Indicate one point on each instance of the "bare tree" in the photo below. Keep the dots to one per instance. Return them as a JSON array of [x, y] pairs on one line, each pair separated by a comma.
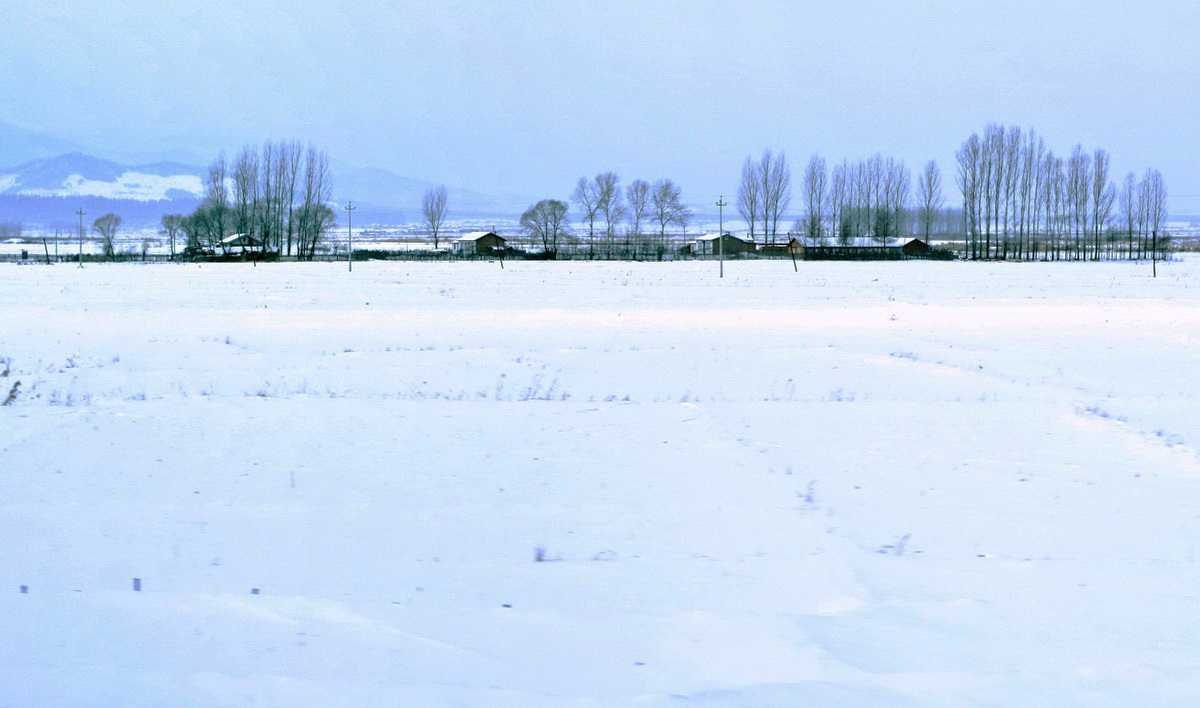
[[106, 226], [433, 208], [545, 222], [277, 186], [608, 190], [315, 216], [839, 209], [1129, 210], [245, 191], [750, 198], [216, 198], [892, 206], [776, 178], [1155, 199], [638, 199], [263, 214], [1103, 196], [815, 196], [172, 226], [967, 177], [587, 197], [1079, 170], [1029, 191], [292, 155], [1059, 205], [667, 200], [929, 195]]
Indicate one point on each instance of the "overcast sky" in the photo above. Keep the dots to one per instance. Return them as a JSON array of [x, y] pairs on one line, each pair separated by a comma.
[[527, 96]]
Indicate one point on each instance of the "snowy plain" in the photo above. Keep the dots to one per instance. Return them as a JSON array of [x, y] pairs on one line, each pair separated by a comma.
[[862, 484]]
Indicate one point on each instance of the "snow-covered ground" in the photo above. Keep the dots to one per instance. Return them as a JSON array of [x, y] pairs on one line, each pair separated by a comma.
[[863, 484]]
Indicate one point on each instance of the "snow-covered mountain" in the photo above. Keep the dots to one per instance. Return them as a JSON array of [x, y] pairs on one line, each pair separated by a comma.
[[79, 175]]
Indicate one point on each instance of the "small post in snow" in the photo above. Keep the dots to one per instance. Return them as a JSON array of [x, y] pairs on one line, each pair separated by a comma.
[[137, 584]]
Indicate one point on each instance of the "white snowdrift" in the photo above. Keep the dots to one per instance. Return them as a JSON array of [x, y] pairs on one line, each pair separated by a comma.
[[863, 484]]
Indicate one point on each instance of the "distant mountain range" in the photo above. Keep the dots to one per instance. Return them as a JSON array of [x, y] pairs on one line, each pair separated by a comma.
[[54, 169], [79, 175], [386, 195]]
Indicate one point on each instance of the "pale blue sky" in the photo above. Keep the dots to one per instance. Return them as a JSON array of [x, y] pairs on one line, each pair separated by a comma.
[[527, 96]]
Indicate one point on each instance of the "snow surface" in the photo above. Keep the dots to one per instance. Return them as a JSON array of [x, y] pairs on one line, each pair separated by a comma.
[[863, 484]]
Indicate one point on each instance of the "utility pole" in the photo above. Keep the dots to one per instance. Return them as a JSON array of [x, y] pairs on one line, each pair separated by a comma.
[[350, 234], [81, 212], [721, 230]]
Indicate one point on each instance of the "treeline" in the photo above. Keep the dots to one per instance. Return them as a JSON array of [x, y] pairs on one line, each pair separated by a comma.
[[634, 220], [764, 194], [867, 199], [1022, 201], [275, 197]]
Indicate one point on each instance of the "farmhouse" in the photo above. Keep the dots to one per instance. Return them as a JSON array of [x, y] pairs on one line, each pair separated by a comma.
[[240, 240], [867, 249], [794, 248], [712, 244], [478, 242]]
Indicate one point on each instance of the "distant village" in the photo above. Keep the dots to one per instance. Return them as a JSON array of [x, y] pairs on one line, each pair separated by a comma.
[[711, 245], [1020, 202]]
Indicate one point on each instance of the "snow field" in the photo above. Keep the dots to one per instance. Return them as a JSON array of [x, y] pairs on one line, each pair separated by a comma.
[[860, 484]]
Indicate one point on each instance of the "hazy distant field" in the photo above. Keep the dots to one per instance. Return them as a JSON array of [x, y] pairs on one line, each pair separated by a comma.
[[877, 484]]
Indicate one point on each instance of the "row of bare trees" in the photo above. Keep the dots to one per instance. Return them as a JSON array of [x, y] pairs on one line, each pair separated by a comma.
[[867, 199], [276, 196], [764, 194], [603, 201], [1021, 201], [854, 200]]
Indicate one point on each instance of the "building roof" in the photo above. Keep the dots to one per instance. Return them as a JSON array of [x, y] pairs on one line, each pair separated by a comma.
[[240, 240], [714, 237], [476, 235]]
